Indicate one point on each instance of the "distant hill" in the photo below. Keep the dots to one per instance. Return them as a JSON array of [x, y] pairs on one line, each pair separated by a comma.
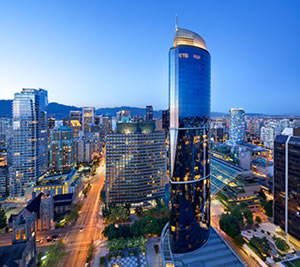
[[59, 111]]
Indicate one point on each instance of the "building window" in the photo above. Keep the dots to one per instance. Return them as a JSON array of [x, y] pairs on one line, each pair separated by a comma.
[[196, 56], [183, 55], [18, 235]]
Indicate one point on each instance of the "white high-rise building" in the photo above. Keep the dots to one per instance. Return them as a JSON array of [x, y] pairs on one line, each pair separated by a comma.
[[29, 151], [237, 125]]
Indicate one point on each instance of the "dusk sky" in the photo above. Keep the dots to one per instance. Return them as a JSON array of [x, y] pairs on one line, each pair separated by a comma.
[[112, 53]]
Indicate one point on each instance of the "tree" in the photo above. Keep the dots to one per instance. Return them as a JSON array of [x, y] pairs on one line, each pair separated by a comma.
[[262, 195], [281, 244], [236, 212], [248, 216], [3, 219], [238, 240], [230, 225], [55, 253], [258, 219], [91, 251], [268, 207]]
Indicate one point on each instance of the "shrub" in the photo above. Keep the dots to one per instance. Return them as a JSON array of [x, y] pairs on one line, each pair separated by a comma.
[[102, 260]]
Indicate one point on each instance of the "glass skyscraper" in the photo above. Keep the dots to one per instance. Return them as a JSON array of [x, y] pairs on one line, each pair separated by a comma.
[[189, 103], [237, 125], [29, 151], [286, 182]]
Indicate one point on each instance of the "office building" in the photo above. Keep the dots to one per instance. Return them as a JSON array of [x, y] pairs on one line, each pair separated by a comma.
[[286, 181], [189, 92], [166, 120], [237, 126], [188, 239], [107, 124], [76, 115], [86, 147], [5, 135], [123, 116], [267, 135], [149, 113], [51, 123], [29, 142], [3, 181], [61, 149], [88, 118], [135, 164]]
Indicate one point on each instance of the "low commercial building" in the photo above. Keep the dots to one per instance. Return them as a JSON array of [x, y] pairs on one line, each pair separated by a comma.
[[56, 185]]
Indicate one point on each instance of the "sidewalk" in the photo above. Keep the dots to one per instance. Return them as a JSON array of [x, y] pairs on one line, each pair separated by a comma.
[[101, 250]]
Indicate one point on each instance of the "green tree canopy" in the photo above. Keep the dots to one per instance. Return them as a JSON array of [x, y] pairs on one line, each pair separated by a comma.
[[3, 219]]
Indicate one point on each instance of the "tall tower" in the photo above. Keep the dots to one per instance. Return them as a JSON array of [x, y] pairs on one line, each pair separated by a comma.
[[189, 103], [29, 151], [61, 149], [149, 113], [88, 118], [237, 125]]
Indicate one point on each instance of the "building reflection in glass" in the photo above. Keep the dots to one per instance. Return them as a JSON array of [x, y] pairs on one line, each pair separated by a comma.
[[189, 103]]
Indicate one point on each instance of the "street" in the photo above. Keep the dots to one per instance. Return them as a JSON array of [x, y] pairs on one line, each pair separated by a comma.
[[77, 241]]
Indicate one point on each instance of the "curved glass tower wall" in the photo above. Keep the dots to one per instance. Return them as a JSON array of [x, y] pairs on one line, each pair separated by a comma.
[[189, 103]]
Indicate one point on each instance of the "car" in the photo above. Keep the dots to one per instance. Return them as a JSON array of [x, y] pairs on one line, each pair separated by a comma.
[[54, 236], [81, 229]]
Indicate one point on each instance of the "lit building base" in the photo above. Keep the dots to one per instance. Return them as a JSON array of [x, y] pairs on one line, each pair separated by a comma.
[[214, 253]]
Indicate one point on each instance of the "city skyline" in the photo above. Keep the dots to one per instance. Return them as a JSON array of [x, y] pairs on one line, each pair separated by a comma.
[[64, 53]]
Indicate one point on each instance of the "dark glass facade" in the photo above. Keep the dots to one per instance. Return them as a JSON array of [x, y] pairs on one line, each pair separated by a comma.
[[286, 188], [189, 103]]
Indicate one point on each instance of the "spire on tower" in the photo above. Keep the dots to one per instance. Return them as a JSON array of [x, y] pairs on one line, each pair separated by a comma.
[[176, 25]]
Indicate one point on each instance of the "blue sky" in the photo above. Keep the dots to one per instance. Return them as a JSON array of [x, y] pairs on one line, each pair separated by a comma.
[[111, 53]]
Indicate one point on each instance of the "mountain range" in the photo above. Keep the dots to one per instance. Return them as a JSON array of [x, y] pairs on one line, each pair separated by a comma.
[[60, 111]]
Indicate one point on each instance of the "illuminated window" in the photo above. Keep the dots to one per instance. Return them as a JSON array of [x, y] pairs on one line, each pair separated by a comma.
[[196, 56], [183, 55], [23, 235], [18, 235]]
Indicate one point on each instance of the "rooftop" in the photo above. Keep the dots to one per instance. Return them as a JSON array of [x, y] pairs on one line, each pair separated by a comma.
[[186, 37], [215, 252]]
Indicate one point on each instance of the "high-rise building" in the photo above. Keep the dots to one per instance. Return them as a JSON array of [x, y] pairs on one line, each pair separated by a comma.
[[75, 115], [3, 181], [61, 149], [123, 116], [107, 124], [29, 150], [149, 113], [135, 164], [166, 120], [267, 136], [286, 182], [88, 118], [51, 123], [189, 100], [237, 125]]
